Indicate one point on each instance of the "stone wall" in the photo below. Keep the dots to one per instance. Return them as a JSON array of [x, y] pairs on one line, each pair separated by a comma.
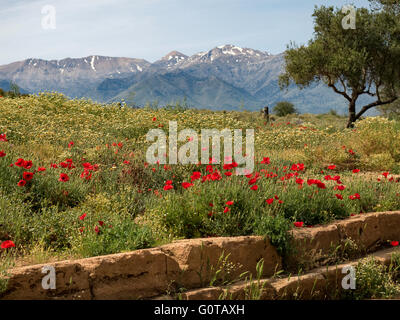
[[191, 264]]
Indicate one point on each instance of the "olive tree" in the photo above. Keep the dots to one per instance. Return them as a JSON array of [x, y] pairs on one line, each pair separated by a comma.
[[353, 62]]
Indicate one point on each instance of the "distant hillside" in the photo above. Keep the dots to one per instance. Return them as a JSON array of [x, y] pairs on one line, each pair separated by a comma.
[[5, 85], [223, 78]]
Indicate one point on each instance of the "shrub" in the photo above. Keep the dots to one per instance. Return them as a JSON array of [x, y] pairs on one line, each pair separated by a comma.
[[114, 235], [373, 280], [284, 108]]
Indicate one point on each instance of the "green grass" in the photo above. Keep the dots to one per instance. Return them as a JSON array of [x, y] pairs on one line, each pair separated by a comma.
[[124, 201]]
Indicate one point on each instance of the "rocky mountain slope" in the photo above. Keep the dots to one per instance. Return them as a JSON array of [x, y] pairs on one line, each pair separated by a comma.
[[225, 77]]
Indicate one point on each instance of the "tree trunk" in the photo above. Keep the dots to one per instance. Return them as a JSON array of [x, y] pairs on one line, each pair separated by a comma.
[[266, 113], [352, 114]]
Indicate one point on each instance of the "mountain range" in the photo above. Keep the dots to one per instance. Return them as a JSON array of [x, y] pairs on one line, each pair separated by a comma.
[[224, 78]]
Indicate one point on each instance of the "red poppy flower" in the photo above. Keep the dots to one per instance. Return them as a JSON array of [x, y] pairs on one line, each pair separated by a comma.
[[101, 223], [3, 137], [154, 119], [321, 185], [253, 181], [20, 162], [226, 210], [195, 176], [228, 173], [310, 181], [299, 181], [298, 224], [64, 165], [27, 176], [70, 144], [2, 154], [229, 203], [255, 187], [187, 185], [339, 196], [21, 183], [168, 187], [332, 167], [63, 177], [7, 244], [215, 176], [87, 166], [41, 169], [82, 217], [266, 160], [96, 229], [354, 196], [270, 201], [297, 167], [394, 243], [356, 170], [227, 166], [27, 164], [86, 174], [385, 174]]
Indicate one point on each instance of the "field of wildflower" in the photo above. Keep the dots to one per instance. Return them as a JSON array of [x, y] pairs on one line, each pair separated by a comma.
[[74, 181]]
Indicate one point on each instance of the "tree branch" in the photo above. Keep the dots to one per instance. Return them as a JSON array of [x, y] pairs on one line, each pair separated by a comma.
[[374, 104], [344, 94]]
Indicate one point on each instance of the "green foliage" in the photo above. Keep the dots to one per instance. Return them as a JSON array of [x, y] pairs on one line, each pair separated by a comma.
[[14, 92], [128, 194], [118, 236], [276, 229], [6, 263], [390, 6], [391, 111], [256, 287], [373, 280], [333, 112], [353, 62], [284, 108]]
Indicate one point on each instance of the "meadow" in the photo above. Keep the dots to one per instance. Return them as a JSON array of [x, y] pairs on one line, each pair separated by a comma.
[[74, 181]]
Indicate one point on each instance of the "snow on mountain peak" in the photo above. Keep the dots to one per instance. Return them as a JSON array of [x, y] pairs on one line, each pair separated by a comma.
[[227, 52], [174, 55]]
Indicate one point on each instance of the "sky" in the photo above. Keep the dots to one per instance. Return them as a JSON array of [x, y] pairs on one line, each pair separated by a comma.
[[149, 29]]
